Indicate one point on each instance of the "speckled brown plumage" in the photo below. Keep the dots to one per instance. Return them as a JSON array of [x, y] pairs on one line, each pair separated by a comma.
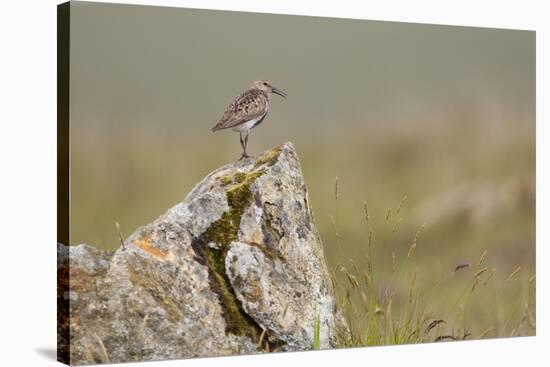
[[250, 105]]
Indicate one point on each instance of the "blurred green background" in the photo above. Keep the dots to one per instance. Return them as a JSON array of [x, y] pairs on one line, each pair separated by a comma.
[[444, 116]]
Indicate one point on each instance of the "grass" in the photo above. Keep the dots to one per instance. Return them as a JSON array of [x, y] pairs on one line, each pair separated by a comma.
[[317, 334], [409, 302]]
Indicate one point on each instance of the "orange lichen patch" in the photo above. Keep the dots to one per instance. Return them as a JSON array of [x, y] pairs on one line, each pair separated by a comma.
[[256, 237], [146, 245]]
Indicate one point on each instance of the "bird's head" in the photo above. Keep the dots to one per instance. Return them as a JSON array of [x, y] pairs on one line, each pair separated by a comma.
[[266, 86]]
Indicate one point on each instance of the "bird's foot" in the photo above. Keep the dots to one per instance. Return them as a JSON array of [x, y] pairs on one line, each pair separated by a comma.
[[245, 156]]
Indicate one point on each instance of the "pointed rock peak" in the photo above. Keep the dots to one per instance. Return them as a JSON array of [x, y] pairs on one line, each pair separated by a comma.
[[235, 268]]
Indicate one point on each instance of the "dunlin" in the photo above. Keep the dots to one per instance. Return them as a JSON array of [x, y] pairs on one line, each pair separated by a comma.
[[248, 111]]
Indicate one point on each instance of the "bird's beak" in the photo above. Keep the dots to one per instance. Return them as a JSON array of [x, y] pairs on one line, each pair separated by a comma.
[[279, 92]]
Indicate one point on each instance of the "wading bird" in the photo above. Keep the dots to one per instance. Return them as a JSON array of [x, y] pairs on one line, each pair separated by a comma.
[[248, 111]]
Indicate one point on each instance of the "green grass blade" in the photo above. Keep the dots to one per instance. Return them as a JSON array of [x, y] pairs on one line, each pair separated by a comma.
[[317, 334]]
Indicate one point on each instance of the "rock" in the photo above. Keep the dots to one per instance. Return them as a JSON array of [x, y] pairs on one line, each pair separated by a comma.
[[236, 268]]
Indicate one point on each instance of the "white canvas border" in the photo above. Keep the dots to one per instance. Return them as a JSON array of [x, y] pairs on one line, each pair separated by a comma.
[[28, 184]]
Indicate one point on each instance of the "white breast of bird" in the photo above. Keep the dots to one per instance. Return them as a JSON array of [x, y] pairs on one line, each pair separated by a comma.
[[247, 126]]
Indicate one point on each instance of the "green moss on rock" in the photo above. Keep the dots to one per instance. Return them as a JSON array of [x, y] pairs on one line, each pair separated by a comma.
[[221, 233], [269, 157], [230, 179]]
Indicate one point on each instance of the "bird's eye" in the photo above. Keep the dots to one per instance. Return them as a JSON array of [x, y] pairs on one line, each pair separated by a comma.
[[265, 83]]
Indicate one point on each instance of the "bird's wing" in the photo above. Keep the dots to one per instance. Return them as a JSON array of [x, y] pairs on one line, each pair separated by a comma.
[[248, 106]]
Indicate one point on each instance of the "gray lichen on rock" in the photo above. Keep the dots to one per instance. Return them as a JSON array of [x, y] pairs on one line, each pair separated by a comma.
[[236, 268]]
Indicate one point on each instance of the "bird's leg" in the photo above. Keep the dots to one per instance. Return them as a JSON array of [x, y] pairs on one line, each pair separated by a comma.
[[243, 145], [241, 139]]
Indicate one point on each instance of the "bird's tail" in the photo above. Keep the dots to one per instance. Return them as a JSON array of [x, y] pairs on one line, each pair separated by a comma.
[[216, 127]]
